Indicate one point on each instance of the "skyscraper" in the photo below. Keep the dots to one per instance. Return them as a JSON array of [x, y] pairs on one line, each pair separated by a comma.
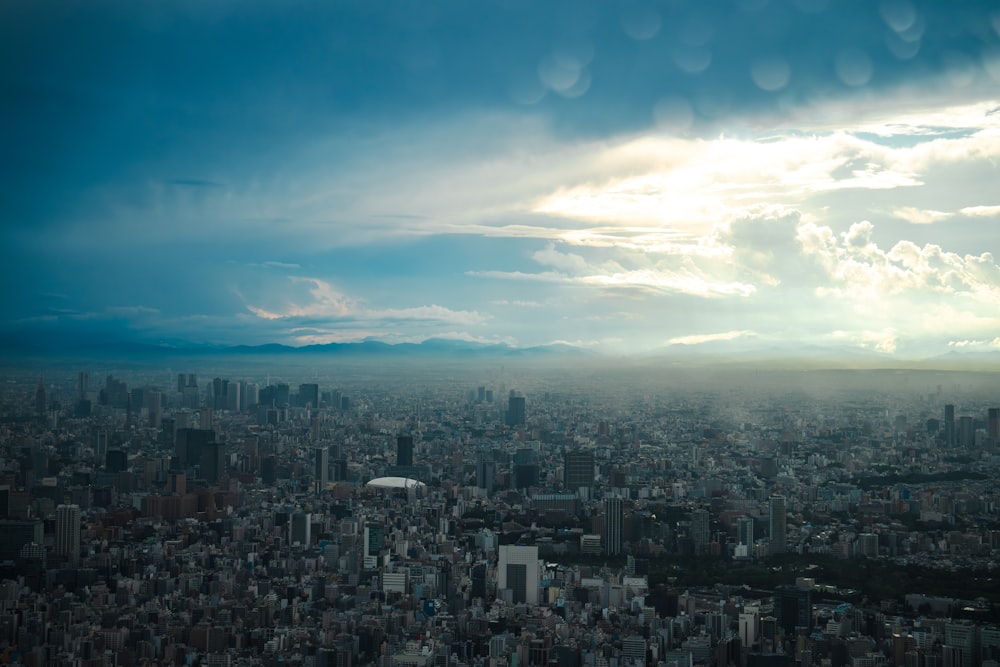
[[68, 532], [614, 518], [404, 450], [993, 426], [700, 530], [154, 408], [777, 519], [578, 469], [516, 411], [793, 608], [486, 471], [41, 405], [949, 425], [518, 572], [309, 396], [321, 474]]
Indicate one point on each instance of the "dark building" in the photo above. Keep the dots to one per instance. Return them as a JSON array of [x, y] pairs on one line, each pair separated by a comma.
[[321, 472], [269, 470], [516, 411], [189, 444], [614, 520], [213, 461], [793, 609], [486, 472], [578, 469], [993, 426], [404, 450], [949, 425], [526, 475], [41, 405], [309, 396]]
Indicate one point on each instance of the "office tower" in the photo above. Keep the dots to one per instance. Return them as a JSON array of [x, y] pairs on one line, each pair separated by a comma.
[[486, 472], [777, 519], [189, 443], [374, 539], [966, 432], [282, 395], [220, 394], [700, 530], [321, 472], [181, 382], [82, 385], [526, 475], [205, 418], [41, 405], [154, 408], [101, 445], [614, 518], [744, 537], [993, 426], [309, 396], [518, 572], [233, 398], [213, 462], [578, 469], [404, 450], [68, 532], [516, 412], [300, 528], [249, 395], [793, 609], [269, 470], [481, 396], [949, 425]]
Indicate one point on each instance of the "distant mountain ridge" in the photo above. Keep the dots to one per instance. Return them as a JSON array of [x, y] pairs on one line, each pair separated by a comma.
[[431, 347]]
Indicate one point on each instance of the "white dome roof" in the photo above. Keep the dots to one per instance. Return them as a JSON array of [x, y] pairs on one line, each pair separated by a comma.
[[394, 483]]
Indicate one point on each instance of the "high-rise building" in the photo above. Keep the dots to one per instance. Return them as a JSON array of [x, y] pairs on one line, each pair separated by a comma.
[[213, 462], [614, 519], [518, 572], [374, 539], [949, 425], [300, 528], [578, 469], [793, 609], [309, 396], [189, 443], [321, 472], [486, 472], [154, 408], [82, 385], [777, 520], [744, 537], [41, 404], [993, 426], [966, 432], [404, 450], [68, 532], [700, 530], [516, 411]]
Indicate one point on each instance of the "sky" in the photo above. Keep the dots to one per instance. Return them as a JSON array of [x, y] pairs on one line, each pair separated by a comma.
[[621, 176]]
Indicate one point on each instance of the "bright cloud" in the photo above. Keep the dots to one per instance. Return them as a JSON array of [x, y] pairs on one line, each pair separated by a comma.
[[698, 339]]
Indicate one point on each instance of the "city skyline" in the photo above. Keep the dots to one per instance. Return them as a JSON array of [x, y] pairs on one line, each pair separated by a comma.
[[808, 177]]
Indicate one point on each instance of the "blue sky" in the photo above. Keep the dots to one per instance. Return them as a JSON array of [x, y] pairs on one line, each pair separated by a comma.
[[625, 176]]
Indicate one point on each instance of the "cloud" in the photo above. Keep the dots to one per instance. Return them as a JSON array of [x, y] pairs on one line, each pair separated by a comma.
[[698, 339], [920, 216], [884, 341], [313, 310], [981, 211]]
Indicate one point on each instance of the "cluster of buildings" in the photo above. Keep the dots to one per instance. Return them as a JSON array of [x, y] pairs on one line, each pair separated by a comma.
[[414, 523]]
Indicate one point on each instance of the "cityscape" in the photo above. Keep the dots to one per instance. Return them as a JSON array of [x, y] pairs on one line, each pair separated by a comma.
[[500, 333], [506, 513]]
